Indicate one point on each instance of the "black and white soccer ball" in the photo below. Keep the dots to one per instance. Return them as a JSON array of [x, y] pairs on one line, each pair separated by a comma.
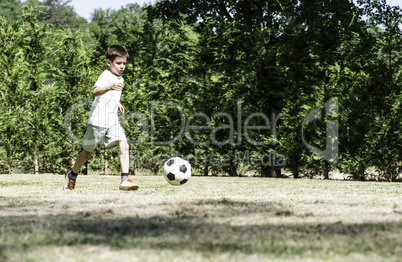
[[177, 171]]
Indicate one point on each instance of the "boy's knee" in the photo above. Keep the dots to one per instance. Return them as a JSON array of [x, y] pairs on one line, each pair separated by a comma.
[[123, 145]]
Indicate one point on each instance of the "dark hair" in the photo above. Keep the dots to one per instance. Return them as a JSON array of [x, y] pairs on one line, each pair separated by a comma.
[[114, 51]]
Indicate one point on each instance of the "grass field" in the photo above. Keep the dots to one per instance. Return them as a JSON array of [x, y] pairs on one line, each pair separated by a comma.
[[207, 219]]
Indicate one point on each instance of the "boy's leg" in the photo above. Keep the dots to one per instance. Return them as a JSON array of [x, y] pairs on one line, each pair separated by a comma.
[[126, 184], [71, 176], [124, 156], [81, 159]]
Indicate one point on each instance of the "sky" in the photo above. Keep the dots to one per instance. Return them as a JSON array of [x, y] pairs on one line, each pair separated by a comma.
[[84, 8]]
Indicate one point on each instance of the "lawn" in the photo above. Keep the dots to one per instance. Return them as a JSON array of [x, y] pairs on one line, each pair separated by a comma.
[[207, 219]]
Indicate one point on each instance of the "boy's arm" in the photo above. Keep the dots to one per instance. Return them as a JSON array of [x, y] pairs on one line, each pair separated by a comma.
[[98, 91], [120, 109]]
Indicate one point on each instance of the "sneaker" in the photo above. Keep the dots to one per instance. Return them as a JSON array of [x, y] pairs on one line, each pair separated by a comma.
[[128, 185], [68, 183]]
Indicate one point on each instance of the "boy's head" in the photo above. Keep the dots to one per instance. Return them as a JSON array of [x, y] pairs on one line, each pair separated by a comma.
[[116, 58], [116, 51]]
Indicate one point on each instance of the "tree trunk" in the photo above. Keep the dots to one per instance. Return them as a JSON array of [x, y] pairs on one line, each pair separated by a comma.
[[295, 172], [36, 164], [326, 170], [9, 151], [206, 166], [106, 161], [267, 171], [271, 171], [278, 171], [106, 166], [232, 168]]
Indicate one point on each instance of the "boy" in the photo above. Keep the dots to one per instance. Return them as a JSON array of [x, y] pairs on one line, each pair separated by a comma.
[[103, 122]]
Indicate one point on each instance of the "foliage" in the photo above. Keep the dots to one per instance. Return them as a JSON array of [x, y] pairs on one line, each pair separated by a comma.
[[227, 85]]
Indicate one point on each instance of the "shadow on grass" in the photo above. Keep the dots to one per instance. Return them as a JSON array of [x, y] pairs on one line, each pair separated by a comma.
[[201, 226]]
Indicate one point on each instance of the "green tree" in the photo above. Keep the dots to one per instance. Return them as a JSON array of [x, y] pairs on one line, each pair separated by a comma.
[[383, 84], [10, 9], [12, 83], [58, 13], [237, 62]]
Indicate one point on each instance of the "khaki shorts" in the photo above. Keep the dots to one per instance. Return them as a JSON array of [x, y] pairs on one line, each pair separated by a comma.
[[95, 136]]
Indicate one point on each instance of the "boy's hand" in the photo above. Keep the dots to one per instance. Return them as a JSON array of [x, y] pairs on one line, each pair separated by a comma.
[[120, 109], [117, 86]]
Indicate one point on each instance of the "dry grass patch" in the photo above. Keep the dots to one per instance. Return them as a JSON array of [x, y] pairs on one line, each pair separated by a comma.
[[208, 219]]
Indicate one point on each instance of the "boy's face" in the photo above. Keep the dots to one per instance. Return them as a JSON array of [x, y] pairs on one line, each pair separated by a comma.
[[118, 65]]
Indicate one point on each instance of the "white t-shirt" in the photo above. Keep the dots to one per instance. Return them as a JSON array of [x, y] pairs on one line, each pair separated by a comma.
[[104, 107]]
